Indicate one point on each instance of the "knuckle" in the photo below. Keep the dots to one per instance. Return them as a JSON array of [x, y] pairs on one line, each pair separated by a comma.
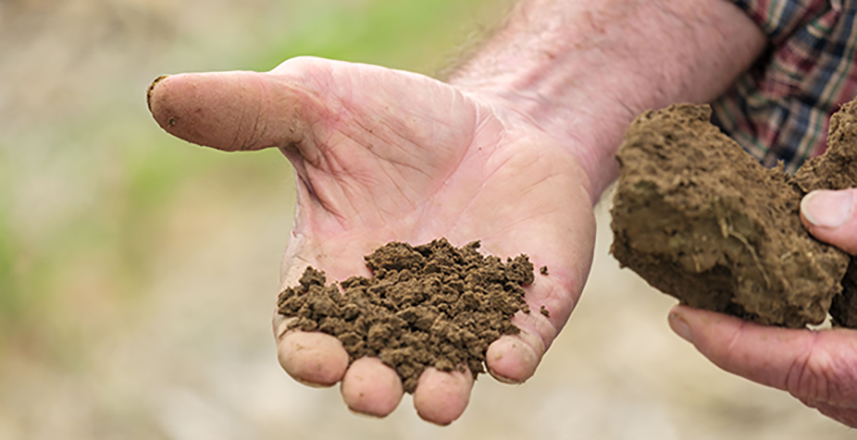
[[824, 376]]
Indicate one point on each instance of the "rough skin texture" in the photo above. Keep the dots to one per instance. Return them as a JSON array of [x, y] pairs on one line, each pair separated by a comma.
[[701, 220]]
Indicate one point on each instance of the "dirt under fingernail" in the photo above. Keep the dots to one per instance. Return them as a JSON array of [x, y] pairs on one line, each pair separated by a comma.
[[433, 305], [151, 89], [699, 218]]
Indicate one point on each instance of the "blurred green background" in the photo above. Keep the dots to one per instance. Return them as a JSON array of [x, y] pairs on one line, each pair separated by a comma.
[[88, 183], [138, 272]]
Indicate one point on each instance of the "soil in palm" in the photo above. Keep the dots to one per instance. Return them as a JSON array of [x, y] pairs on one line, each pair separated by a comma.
[[433, 305]]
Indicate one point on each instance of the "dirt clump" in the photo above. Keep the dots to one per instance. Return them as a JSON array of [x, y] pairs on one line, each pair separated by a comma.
[[701, 220], [837, 169], [433, 305]]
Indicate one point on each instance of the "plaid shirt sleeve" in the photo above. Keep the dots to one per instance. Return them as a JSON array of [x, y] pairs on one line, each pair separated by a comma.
[[779, 110]]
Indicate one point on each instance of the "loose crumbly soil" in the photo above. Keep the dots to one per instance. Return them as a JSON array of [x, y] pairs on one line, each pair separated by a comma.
[[430, 305], [701, 220]]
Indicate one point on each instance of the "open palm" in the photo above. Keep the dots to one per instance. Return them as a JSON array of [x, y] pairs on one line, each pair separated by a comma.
[[383, 155]]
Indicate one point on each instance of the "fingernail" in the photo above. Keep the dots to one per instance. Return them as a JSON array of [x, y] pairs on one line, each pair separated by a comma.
[[364, 414], [152, 88], [680, 327], [503, 379], [827, 209]]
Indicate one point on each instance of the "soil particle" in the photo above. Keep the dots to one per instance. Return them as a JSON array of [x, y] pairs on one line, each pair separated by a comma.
[[701, 220], [430, 305], [545, 311], [544, 270]]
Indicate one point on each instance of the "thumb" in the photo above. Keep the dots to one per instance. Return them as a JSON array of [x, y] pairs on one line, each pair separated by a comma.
[[831, 216], [229, 111]]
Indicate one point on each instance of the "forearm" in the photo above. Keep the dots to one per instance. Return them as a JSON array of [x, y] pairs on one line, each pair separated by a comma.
[[582, 70]]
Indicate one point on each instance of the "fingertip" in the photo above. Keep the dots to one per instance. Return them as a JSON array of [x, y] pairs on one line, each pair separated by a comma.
[[699, 317], [441, 397], [827, 208], [150, 89], [511, 360], [312, 358], [167, 98], [679, 325], [371, 388], [681, 312], [827, 213]]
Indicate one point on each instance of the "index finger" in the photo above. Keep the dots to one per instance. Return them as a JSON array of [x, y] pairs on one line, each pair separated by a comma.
[[815, 366]]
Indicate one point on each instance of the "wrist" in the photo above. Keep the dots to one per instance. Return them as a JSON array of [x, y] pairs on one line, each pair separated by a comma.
[[581, 71]]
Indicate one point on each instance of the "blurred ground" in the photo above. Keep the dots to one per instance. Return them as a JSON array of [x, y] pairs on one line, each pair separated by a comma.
[[137, 273]]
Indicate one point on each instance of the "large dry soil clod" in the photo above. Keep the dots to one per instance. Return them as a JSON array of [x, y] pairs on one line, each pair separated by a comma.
[[701, 220]]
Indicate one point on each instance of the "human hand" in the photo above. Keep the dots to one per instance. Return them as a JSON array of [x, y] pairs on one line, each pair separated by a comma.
[[817, 367], [382, 155]]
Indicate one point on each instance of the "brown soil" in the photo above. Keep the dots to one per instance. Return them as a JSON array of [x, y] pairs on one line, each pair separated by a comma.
[[701, 220], [837, 169], [430, 305]]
